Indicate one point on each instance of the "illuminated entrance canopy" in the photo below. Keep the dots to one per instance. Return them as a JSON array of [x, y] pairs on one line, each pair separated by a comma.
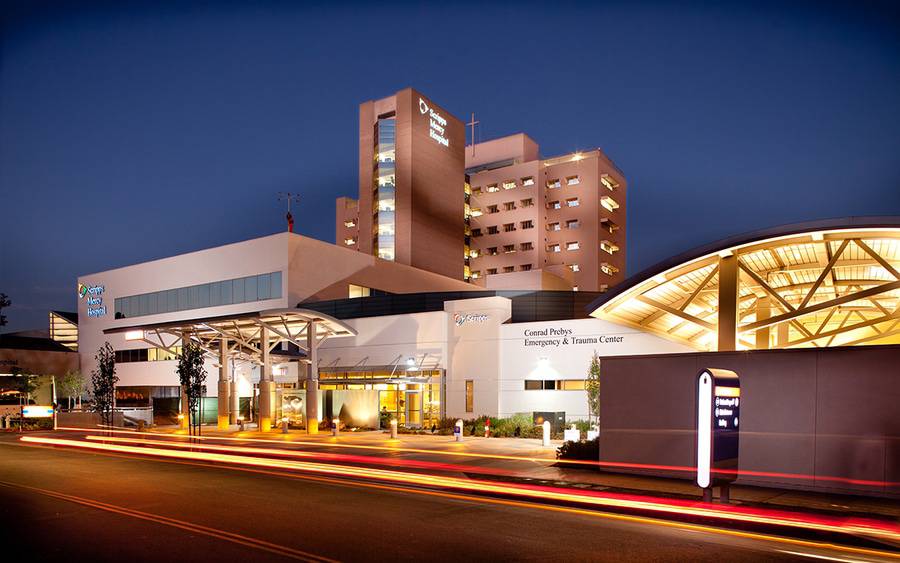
[[828, 283]]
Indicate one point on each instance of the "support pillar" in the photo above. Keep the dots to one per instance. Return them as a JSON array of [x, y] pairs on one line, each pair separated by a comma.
[[185, 406], [312, 381], [763, 311], [266, 385], [235, 409], [224, 398], [728, 303]]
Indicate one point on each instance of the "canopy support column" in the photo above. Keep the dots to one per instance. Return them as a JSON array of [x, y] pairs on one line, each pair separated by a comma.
[[266, 384], [185, 404], [312, 380], [224, 398], [728, 303]]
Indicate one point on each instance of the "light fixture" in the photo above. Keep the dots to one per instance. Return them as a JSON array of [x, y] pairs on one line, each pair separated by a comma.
[[134, 335], [411, 364]]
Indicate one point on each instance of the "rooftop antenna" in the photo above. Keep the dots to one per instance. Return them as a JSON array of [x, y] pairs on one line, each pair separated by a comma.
[[289, 197]]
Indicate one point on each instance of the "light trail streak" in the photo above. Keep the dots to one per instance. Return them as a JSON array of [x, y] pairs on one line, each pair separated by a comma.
[[571, 462], [538, 493]]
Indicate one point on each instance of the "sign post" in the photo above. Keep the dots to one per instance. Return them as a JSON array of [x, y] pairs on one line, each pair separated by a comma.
[[718, 411]]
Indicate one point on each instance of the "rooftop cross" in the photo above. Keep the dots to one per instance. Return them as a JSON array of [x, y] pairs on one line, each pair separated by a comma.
[[472, 124]]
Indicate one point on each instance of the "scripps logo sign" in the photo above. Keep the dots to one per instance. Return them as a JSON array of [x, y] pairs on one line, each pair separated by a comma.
[[93, 293], [460, 319], [437, 125]]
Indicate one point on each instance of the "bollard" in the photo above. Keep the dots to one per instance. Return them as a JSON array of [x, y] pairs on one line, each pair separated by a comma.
[[487, 428], [458, 430], [240, 421], [335, 427], [393, 429], [546, 440]]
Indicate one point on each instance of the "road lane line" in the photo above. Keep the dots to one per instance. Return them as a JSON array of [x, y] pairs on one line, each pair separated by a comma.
[[181, 524]]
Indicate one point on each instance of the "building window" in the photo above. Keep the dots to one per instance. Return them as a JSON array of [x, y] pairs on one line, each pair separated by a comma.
[[470, 395], [609, 203], [572, 181], [553, 226], [473, 253], [476, 274], [608, 225], [492, 189], [493, 209], [491, 271], [527, 202], [509, 227], [525, 267], [509, 184], [350, 241], [509, 269], [475, 212], [553, 248], [528, 181], [493, 230], [384, 189], [553, 184], [526, 246], [509, 205], [476, 190], [358, 291], [573, 224], [608, 269], [529, 224], [575, 267], [554, 205], [572, 245], [575, 288], [607, 246], [572, 202], [509, 248], [571, 384], [147, 355], [609, 182], [350, 223], [492, 251], [476, 232], [533, 384]]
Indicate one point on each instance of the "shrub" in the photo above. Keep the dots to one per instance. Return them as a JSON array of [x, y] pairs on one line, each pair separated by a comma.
[[587, 450]]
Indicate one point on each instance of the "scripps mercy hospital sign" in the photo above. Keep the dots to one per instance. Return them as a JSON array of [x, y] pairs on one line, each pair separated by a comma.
[[562, 337], [437, 124], [93, 294]]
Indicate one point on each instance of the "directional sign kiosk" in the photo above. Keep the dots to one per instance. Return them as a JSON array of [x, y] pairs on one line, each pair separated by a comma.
[[718, 413]]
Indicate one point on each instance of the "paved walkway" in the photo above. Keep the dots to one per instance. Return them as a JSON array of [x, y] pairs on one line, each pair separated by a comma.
[[505, 454]]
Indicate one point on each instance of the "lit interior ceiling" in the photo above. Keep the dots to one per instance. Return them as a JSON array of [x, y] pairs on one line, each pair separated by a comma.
[[829, 287]]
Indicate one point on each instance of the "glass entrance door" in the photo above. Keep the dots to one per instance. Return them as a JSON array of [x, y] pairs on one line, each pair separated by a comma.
[[413, 408]]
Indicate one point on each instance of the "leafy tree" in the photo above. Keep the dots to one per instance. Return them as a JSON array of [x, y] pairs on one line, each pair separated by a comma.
[[104, 380], [592, 386], [192, 376], [4, 302], [73, 385]]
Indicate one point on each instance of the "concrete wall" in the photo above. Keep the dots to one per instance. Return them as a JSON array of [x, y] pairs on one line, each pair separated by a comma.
[[829, 414]]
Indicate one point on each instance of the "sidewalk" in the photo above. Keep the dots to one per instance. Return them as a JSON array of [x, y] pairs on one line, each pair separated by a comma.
[[541, 468]]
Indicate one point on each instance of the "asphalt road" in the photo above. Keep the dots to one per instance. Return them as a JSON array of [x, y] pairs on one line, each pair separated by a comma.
[[83, 506]]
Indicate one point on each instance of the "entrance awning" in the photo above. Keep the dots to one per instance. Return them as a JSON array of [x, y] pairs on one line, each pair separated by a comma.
[[241, 332]]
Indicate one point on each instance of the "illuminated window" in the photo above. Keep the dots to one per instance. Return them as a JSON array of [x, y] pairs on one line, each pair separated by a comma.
[[476, 232], [575, 267], [608, 225], [529, 224], [571, 385], [527, 202], [509, 248], [475, 212], [534, 385], [573, 224], [572, 245], [553, 248], [470, 395], [491, 271], [525, 267], [572, 202], [526, 246], [350, 241], [384, 189], [572, 181], [509, 184], [509, 269], [493, 209], [529, 181], [476, 190], [554, 205], [575, 288], [492, 188], [609, 182], [473, 253], [553, 226], [607, 246], [350, 223], [356, 291], [509, 205], [608, 269], [493, 230], [509, 227], [609, 203], [492, 251], [553, 184], [476, 274]]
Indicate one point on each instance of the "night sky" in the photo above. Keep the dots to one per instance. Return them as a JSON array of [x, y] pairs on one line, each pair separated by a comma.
[[139, 132]]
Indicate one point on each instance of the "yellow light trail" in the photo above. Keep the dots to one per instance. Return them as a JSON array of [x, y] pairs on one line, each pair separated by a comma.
[[477, 486]]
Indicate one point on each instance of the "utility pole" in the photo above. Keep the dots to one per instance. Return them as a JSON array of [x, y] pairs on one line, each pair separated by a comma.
[[289, 197]]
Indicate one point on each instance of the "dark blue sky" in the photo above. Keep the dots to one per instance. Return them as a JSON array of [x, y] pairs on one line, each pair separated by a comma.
[[133, 133]]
